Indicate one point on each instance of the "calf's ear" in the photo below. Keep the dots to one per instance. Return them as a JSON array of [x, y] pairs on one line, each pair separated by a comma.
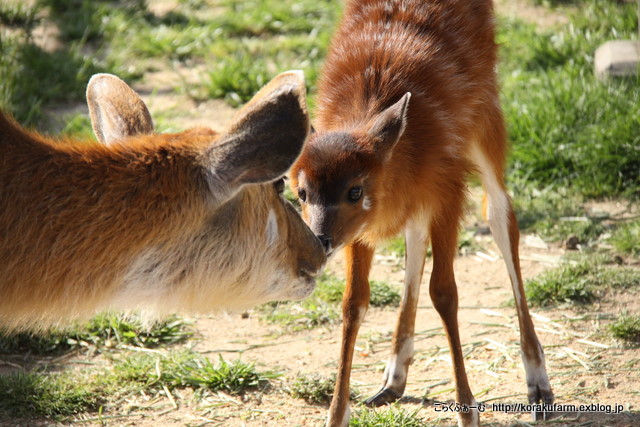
[[388, 126], [116, 110]]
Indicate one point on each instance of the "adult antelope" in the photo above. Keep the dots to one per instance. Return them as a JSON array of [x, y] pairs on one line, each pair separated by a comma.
[[408, 107], [184, 222]]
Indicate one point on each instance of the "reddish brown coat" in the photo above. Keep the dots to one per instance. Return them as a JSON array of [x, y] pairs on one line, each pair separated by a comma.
[[408, 107]]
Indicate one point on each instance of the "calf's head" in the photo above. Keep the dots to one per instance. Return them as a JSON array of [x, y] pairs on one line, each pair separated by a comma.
[[337, 177]]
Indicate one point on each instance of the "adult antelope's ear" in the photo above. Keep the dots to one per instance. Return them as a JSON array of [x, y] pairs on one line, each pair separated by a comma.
[[266, 136], [387, 127], [116, 110]]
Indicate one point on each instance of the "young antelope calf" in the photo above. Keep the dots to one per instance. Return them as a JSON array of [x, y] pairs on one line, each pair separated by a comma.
[[408, 107], [185, 222]]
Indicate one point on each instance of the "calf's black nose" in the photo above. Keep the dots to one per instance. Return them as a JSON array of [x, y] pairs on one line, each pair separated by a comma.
[[326, 243]]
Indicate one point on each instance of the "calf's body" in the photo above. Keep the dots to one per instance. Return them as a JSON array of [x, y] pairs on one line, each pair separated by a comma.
[[408, 107]]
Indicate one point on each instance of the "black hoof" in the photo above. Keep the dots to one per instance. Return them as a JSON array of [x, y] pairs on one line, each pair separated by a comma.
[[383, 397], [541, 415], [544, 397]]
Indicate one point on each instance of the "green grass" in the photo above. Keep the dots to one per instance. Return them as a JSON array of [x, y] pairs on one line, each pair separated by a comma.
[[78, 126], [113, 330], [176, 36], [391, 416], [626, 328], [383, 294], [466, 243], [182, 369], [544, 212], [85, 19], [31, 77], [323, 306], [307, 314], [580, 283], [257, 18], [103, 331], [626, 238], [38, 344], [242, 46], [554, 3], [18, 15], [316, 389], [27, 395], [567, 128], [395, 246], [566, 284], [317, 310], [62, 394], [234, 378], [331, 288], [555, 213], [265, 37], [242, 67]]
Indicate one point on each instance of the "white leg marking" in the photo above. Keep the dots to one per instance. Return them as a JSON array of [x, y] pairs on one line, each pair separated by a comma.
[[416, 240], [395, 372], [272, 228], [344, 420], [474, 421], [362, 311], [536, 375], [497, 211]]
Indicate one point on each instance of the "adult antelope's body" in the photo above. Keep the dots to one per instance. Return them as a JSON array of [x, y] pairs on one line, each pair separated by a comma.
[[408, 107], [162, 223]]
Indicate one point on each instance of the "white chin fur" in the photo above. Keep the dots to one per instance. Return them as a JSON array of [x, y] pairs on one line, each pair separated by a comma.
[[302, 289]]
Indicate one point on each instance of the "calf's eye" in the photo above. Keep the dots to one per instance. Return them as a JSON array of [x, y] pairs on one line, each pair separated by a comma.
[[302, 195], [355, 193]]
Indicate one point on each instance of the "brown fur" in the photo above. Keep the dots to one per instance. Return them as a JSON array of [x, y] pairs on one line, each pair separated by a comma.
[[152, 222], [411, 155], [445, 60]]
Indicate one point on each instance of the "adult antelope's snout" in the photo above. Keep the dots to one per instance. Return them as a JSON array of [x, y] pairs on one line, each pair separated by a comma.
[[311, 257]]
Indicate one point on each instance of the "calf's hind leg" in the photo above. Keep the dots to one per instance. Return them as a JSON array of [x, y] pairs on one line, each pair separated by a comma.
[[504, 227]]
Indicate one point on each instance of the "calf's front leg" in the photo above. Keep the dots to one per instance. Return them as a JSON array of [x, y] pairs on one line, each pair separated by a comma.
[[354, 306]]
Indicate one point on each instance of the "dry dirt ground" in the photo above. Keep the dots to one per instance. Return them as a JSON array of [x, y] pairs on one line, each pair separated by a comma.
[[585, 365]]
